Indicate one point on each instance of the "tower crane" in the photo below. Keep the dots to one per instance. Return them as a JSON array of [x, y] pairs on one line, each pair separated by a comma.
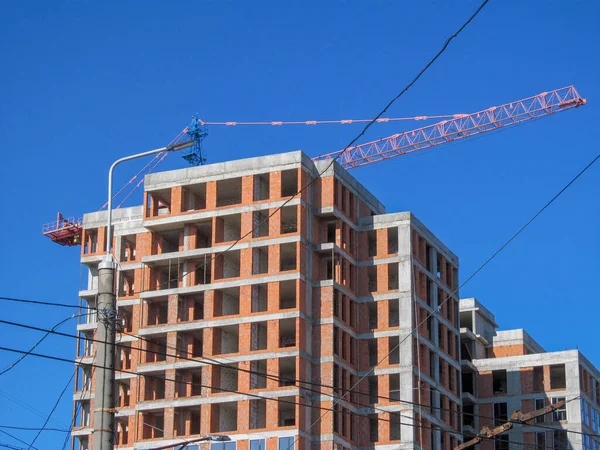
[[460, 126]]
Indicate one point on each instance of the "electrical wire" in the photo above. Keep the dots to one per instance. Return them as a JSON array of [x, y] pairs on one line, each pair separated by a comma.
[[37, 302], [60, 396], [55, 358], [11, 366], [28, 407], [17, 439], [10, 427], [442, 50], [213, 362], [77, 408]]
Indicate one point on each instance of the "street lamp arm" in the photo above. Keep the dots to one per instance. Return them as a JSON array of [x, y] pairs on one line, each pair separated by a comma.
[[169, 148]]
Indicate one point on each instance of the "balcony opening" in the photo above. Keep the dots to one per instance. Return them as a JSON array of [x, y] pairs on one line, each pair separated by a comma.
[[499, 382], [393, 344], [287, 333], [122, 436], [260, 260], [168, 241], [468, 383], [225, 379], [394, 387], [203, 271], [466, 320], [126, 284], [330, 232], [258, 337], [258, 414], [372, 310], [287, 371], [287, 256], [128, 252], [228, 228], [204, 234], [372, 349], [193, 197], [289, 182], [187, 421], [395, 427], [392, 276], [81, 443], [371, 243], [286, 411], [259, 298], [156, 350], [82, 419], [326, 266], [373, 390], [260, 224], [224, 417], [188, 383], [372, 278], [257, 379], [123, 394], [468, 415], [394, 313], [392, 235], [124, 361], [228, 265], [500, 413], [154, 388], [153, 424], [84, 379], [558, 378], [190, 307], [289, 219], [261, 187], [86, 343], [124, 318], [189, 344], [538, 379], [157, 311], [226, 302], [287, 294], [229, 192], [225, 339], [373, 428]]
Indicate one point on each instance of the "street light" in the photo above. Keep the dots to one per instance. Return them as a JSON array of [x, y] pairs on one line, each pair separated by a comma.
[[184, 444], [104, 413]]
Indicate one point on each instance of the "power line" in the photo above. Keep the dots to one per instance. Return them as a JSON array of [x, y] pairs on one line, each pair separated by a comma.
[[487, 261], [27, 407], [11, 427], [51, 411], [21, 358], [209, 361], [16, 438], [37, 302], [442, 50]]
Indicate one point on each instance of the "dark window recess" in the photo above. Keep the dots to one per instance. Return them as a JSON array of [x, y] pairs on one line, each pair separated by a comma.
[[500, 382], [557, 377], [500, 413]]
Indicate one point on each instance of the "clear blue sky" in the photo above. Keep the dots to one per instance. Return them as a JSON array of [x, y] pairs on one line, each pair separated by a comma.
[[84, 83]]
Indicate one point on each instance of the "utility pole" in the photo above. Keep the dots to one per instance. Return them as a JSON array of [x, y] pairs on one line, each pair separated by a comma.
[[104, 411], [516, 417]]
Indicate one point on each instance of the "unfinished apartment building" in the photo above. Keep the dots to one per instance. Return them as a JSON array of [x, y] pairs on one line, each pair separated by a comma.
[[505, 371], [248, 311]]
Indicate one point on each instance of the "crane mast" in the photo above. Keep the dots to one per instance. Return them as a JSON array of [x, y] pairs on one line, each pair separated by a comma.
[[461, 127]]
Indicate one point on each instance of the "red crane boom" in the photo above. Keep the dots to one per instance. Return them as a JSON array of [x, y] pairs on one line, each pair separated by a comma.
[[462, 126]]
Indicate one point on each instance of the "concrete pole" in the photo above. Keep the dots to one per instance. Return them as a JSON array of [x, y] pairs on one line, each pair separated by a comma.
[[105, 390], [104, 414]]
